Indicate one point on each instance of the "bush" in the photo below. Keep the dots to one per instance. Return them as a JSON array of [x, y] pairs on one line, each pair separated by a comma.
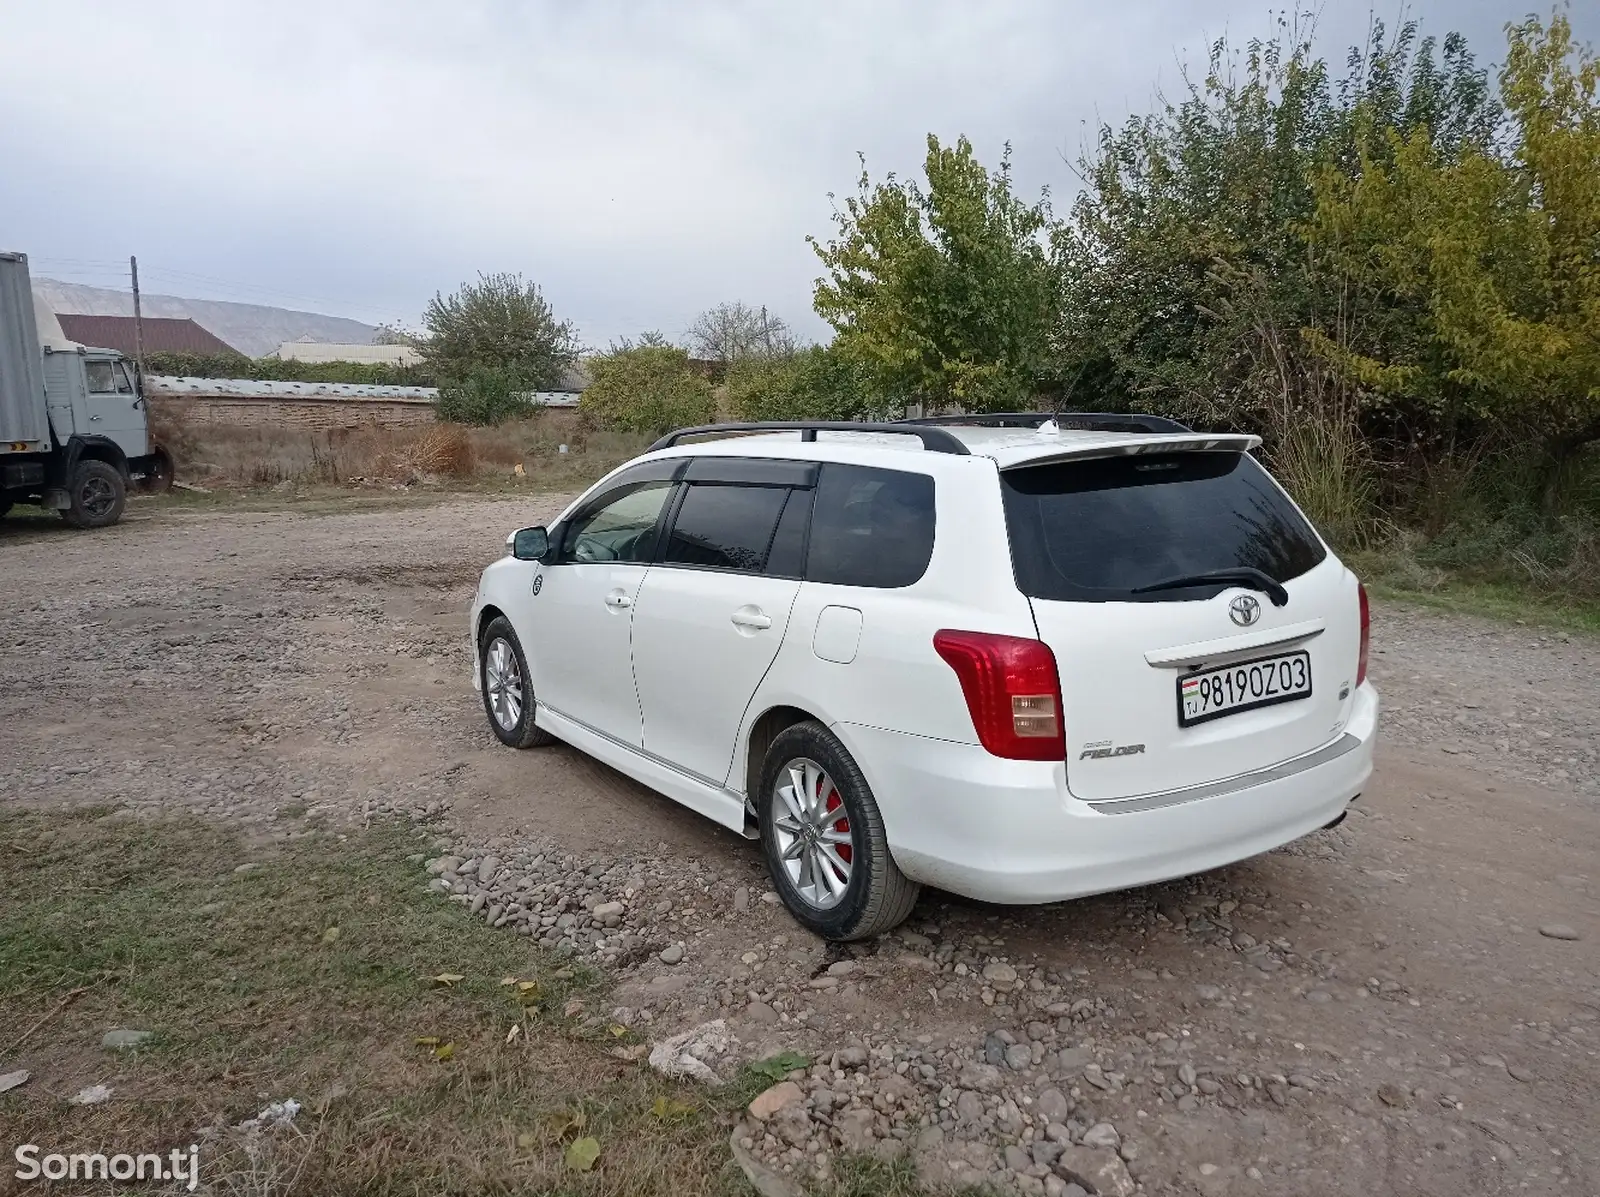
[[648, 389], [485, 396], [443, 450], [814, 384]]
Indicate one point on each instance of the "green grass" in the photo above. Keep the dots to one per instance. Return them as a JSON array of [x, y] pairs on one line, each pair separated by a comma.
[[310, 974], [1513, 602]]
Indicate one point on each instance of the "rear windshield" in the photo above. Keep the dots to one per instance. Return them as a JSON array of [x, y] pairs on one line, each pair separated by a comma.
[[1098, 530]]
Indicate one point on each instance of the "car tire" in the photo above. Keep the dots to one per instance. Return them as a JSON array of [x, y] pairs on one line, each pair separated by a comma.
[[97, 495], [503, 682], [855, 893]]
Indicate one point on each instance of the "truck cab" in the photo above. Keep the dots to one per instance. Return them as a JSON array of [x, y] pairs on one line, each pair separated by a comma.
[[74, 428], [91, 394]]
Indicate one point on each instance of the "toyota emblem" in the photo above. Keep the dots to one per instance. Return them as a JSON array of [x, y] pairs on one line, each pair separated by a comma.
[[1244, 610]]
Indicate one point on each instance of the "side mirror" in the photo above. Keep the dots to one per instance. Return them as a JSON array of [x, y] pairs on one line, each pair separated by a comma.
[[530, 544]]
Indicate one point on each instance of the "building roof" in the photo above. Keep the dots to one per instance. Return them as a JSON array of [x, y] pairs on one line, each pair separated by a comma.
[[252, 388], [320, 351], [162, 334]]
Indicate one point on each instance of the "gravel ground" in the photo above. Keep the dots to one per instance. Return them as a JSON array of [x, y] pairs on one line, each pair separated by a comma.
[[1407, 1004]]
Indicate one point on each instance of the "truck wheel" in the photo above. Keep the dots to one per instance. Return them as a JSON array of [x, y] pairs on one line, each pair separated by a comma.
[[98, 494]]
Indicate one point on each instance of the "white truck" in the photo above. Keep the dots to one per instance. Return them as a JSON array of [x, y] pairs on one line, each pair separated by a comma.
[[74, 428]]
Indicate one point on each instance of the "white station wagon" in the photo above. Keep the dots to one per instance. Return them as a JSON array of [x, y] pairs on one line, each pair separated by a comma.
[[1018, 657]]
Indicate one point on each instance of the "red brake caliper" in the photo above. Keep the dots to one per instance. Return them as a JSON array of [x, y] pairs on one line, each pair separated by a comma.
[[833, 804]]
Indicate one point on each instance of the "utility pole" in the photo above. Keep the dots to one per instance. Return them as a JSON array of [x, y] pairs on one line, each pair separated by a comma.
[[138, 324]]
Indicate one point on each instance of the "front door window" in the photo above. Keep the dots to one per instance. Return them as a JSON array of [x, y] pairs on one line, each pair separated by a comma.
[[622, 529]]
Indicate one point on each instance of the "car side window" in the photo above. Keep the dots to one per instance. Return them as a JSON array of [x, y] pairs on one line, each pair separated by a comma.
[[621, 528], [870, 527], [787, 556], [124, 384], [725, 527]]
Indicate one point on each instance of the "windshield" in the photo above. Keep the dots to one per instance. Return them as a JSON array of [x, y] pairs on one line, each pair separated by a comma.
[[1099, 530]]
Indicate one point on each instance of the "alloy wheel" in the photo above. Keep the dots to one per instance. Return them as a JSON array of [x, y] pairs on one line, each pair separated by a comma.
[[812, 829], [502, 678]]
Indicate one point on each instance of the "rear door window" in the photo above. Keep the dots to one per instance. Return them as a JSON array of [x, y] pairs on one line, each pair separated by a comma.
[[870, 527], [787, 557], [725, 527], [1099, 530]]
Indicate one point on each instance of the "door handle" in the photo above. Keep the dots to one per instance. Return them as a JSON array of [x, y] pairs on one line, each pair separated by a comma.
[[94, 417], [617, 600], [753, 618]]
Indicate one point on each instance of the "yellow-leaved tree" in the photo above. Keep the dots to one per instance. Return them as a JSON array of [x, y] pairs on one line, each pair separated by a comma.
[[1495, 250]]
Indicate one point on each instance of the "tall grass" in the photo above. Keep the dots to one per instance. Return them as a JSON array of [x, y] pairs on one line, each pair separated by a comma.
[[1326, 467]]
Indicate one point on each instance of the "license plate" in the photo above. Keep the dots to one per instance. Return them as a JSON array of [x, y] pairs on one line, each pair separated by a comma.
[[1213, 693]]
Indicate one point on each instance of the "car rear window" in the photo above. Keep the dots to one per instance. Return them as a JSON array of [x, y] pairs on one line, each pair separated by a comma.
[[1098, 530], [870, 527]]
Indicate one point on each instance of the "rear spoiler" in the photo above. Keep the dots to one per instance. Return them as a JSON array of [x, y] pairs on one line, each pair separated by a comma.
[[1209, 442]]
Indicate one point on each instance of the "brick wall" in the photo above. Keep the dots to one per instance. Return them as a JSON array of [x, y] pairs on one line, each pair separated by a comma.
[[283, 412]]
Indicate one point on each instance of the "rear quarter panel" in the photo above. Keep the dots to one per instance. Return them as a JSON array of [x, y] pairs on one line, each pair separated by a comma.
[[896, 681]]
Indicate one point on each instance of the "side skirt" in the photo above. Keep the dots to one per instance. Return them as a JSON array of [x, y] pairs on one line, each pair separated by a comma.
[[713, 801]]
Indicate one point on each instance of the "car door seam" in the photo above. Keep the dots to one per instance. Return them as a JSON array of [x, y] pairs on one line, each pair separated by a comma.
[[740, 735]]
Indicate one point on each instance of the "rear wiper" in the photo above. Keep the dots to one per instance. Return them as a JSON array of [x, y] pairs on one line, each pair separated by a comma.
[[1240, 575]]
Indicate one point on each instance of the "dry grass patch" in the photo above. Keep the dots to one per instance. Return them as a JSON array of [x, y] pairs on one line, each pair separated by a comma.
[[520, 455], [307, 976]]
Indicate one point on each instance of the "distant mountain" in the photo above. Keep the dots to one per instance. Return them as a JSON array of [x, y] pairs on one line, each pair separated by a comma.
[[250, 328]]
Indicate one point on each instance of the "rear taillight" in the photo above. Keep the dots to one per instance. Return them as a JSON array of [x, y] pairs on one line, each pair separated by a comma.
[[1366, 634], [1012, 690]]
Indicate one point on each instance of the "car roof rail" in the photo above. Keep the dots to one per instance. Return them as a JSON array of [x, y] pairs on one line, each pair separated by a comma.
[[934, 439], [1074, 421]]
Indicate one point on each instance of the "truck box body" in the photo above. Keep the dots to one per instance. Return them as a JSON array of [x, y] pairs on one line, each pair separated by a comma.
[[24, 420]]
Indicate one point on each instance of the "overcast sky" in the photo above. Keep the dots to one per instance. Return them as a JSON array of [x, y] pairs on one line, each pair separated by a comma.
[[641, 161]]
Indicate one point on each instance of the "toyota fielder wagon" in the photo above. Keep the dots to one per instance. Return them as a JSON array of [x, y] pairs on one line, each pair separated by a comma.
[[1022, 658]]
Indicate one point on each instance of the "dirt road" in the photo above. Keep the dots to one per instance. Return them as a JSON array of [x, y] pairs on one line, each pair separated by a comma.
[[1391, 1007]]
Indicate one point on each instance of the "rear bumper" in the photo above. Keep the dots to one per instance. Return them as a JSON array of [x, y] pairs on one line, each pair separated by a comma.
[[1009, 831]]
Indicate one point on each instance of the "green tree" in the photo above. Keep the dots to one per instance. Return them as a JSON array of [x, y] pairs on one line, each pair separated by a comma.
[[650, 388], [943, 291], [1497, 251], [1187, 277], [498, 324], [816, 383]]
